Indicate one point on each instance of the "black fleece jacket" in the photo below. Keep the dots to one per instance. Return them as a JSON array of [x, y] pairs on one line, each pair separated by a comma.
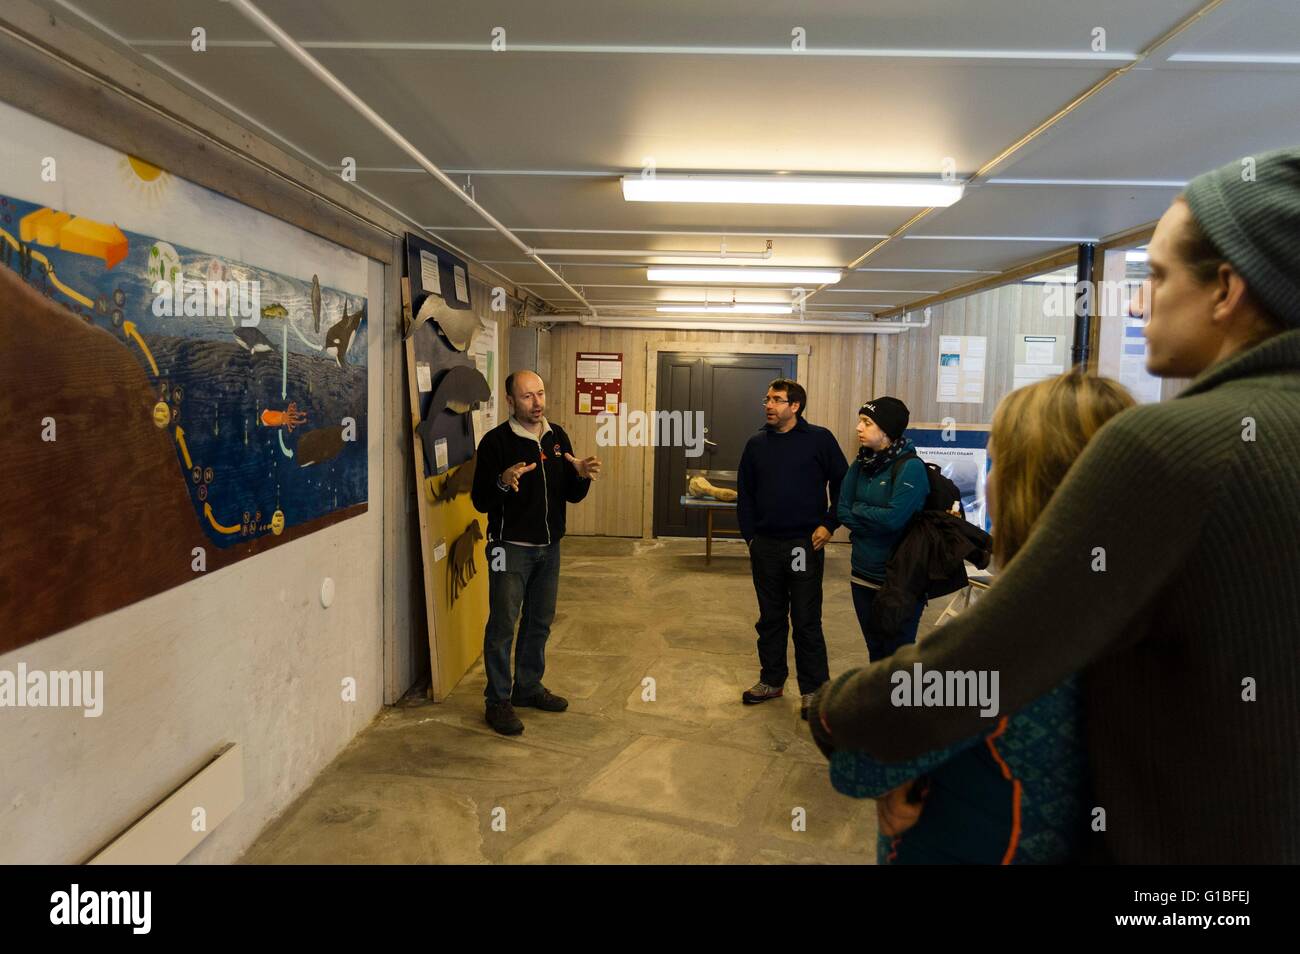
[[783, 478], [534, 514]]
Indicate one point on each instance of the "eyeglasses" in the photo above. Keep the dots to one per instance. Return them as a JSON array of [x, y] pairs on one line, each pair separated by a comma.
[[772, 400]]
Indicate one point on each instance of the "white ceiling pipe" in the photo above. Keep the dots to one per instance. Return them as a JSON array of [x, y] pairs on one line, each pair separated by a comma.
[[294, 49], [720, 324], [651, 252]]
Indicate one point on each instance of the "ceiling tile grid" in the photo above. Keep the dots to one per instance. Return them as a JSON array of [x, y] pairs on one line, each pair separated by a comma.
[[541, 131]]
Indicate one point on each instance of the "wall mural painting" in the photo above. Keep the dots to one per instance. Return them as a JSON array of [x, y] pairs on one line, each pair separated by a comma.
[[254, 384]]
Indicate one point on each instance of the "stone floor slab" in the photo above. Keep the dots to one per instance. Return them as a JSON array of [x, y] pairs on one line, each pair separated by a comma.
[[347, 819], [707, 783], [692, 777], [584, 836]]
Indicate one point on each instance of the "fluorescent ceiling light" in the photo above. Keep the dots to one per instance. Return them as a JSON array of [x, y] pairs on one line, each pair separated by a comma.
[[791, 190], [740, 308], [746, 274]]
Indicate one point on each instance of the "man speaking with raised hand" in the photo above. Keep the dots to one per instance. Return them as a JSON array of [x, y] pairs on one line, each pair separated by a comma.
[[525, 476]]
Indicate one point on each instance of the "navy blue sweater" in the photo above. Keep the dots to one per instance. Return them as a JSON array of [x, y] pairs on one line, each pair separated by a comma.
[[783, 479]]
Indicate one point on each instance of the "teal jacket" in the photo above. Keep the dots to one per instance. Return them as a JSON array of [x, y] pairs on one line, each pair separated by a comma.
[[876, 508]]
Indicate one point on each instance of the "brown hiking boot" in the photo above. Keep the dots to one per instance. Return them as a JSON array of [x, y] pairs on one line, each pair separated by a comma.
[[761, 692]]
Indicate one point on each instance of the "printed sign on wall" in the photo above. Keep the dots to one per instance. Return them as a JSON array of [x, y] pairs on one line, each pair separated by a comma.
[[599, 382], [962, 455], [1038, 357], [961, 369]]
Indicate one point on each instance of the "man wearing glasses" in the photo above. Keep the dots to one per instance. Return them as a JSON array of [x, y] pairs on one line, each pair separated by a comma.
[[788, 482]]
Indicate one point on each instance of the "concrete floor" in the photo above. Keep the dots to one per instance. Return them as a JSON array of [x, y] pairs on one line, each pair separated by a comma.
[[691, 777]]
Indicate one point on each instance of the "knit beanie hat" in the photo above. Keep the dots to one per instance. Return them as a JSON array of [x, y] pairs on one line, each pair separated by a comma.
[[889, 413], [1250, 210]]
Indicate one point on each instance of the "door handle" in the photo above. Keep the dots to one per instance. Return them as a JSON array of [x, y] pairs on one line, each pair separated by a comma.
[[710, 444]]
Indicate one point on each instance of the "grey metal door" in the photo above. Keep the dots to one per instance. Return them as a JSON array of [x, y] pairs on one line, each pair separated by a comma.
[[727, 391]]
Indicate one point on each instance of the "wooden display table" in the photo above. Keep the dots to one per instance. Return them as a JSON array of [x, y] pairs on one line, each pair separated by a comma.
[[709, 506]]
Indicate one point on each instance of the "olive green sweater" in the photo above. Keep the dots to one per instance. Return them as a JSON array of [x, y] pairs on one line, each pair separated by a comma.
[[1195, 506]]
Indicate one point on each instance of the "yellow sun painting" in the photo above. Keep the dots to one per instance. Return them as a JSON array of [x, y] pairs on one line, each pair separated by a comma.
[[145, 180]]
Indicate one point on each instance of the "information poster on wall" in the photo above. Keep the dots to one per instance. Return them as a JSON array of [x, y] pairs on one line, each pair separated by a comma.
[[962, 455], [599, 383], [1133, 374], [484, 353], [961, 369], [1038, 357]]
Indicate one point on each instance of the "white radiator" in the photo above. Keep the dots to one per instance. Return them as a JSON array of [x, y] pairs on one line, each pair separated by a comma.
[[175, 826]]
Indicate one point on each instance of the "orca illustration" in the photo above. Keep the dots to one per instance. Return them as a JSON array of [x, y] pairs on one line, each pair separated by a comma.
[[339, 336], [253, 340]]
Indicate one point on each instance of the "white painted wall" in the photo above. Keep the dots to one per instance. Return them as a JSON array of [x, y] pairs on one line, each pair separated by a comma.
[[245, 654]]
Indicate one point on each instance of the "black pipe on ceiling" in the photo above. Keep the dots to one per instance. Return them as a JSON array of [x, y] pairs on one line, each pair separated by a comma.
[[1083, 288]]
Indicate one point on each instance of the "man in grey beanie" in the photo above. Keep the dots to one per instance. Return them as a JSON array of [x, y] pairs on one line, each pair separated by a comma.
[[1166, 568]]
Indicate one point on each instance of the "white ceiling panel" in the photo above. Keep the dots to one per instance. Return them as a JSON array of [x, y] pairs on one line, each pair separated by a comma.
[[611, 112], [995, 256], [587, 90], [1169, 124], [1065, 212], [914, 284], [270, 86], [905, 24], [1247, 28], [590, 203]]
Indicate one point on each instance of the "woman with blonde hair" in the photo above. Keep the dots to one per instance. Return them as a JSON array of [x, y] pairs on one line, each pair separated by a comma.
[[1015, 794]]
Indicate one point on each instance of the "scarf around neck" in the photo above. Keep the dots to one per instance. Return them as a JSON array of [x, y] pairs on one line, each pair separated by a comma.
[[873, 462]]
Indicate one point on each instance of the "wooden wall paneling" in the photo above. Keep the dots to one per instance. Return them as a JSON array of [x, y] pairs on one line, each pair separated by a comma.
[[609, 507], [841, 371], [621, 502], [999, 314]]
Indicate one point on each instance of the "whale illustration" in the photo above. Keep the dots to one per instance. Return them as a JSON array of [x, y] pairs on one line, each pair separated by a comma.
[[338, 338], [253, 340]]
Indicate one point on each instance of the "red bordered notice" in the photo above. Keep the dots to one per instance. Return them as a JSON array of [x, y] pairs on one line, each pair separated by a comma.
[[599, 384]]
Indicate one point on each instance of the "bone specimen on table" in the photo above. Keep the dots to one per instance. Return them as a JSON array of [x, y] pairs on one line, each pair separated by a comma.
[[700, 487]]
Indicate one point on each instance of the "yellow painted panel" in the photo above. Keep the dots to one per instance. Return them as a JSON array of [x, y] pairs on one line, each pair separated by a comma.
[[458, 628]]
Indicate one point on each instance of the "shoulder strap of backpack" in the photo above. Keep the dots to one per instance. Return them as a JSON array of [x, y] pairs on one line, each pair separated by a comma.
[[893, 471]]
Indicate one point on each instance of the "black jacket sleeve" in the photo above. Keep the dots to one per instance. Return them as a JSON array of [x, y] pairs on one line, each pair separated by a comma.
[[485, 492], [836, 468], [746, 487], [575, 487]]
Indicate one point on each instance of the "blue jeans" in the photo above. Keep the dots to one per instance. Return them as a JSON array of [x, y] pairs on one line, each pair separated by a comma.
[[878, 645], [522, 591]]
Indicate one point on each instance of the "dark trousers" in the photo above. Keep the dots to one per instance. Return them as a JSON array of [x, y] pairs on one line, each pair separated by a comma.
[[522, 591], [878, 645], [788, 582]]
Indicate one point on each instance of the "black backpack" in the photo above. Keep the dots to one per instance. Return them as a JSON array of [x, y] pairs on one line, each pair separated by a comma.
[[922, 548], [943, 492]]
